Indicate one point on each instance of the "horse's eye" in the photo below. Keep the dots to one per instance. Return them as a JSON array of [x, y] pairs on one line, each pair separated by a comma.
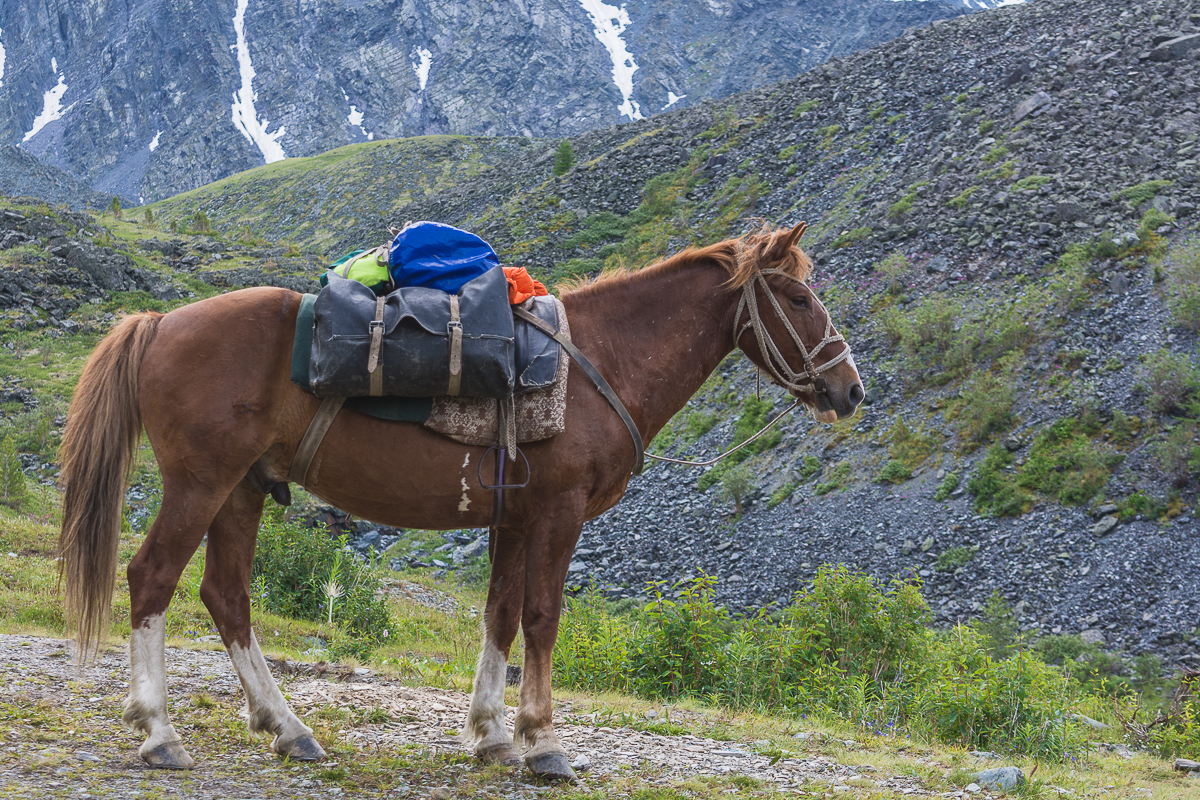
[[800, 302]]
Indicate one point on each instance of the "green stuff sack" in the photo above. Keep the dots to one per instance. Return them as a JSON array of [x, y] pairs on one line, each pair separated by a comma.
[[368, 267]]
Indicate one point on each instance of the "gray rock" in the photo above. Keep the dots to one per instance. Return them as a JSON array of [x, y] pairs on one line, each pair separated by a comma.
[[1031, 104], [1000, 779], [1092, 636], [1175, 48], [1106, 525], [1187, 765], [1095, 724], [581, 763]]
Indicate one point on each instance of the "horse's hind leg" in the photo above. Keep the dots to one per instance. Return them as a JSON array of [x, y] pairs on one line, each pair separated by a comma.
[[502, 617], [153, 574], [225, 590]]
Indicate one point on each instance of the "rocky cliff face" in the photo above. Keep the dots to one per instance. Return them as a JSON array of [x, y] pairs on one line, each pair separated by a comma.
[[151, 98]]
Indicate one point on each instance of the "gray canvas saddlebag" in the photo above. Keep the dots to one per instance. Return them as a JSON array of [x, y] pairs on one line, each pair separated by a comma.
[[413, 342]]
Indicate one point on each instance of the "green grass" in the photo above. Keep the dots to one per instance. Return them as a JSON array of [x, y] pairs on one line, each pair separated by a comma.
[[1140, 193]]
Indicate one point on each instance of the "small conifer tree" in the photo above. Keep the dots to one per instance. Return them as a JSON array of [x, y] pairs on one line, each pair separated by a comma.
[[149, 217], [564, 159], [115, 207], [12, 480]]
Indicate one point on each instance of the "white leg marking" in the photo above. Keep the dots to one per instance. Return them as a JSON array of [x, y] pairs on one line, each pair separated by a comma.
[[146, 706], [466, 460], [485, 719], [269, 712], [465, 502]]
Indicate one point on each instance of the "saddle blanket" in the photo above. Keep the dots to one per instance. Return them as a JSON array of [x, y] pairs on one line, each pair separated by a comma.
[[540, 413]]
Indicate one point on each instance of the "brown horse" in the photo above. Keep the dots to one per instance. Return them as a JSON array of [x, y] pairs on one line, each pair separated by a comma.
[[210, 385]]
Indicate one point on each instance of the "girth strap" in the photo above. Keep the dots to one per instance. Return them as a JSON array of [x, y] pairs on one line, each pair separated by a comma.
[[376, 343], [307, 449], [602, 385]]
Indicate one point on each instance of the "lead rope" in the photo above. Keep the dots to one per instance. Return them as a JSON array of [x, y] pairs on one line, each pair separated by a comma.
[[730, 452]]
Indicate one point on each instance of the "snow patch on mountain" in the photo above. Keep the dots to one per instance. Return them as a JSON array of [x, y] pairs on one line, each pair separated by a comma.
[[245, 116], [154, 142], [1, 56], [609, 23], [421, 66], [672, 99], [355, 117], [52, 107]]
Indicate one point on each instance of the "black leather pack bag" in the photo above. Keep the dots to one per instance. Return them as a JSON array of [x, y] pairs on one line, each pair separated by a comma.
[[413, 342]]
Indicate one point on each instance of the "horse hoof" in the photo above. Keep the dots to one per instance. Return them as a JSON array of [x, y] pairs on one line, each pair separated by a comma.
[[503, 754], [168, 755], [304, 748], [552, 767]]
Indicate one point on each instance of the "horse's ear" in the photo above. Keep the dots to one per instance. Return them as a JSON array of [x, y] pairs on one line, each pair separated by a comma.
[[797, 233]]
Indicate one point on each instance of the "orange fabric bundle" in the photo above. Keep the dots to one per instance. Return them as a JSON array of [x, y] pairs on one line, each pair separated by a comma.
[[521, 286]]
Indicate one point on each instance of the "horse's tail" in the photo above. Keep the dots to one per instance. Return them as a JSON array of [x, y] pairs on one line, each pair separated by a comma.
[[104, 429]]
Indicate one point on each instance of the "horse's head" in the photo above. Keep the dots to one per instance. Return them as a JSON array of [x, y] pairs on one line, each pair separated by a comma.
[[784, 328]]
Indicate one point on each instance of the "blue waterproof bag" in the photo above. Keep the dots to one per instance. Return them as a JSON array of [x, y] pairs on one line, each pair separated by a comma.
[[438, 256]]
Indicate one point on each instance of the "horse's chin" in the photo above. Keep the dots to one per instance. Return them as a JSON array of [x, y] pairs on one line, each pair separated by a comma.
[[826, 416]]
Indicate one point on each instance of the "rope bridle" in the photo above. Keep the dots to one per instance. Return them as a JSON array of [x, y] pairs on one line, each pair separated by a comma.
[[776, 365]]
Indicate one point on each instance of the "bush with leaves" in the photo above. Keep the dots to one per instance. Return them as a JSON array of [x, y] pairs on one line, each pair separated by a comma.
[[1172, 380], [564, 158], [1183, 285], [295, 569]]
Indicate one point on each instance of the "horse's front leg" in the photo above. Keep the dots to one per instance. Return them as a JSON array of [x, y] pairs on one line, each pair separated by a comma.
[[485, 728], [551, 541]]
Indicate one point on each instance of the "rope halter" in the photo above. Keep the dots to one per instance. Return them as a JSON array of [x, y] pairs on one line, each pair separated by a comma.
[[776, 364]]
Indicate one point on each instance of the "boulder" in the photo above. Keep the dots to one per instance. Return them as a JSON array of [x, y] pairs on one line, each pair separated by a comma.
[[1106, 525], [1000, 779], [1031, 104], [1175, 48]]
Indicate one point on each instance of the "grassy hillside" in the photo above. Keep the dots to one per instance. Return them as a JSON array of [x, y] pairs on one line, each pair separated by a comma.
[[310, 202]]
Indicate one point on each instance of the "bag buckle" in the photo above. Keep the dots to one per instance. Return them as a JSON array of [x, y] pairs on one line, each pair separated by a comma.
[[451, 325], [373, 324]]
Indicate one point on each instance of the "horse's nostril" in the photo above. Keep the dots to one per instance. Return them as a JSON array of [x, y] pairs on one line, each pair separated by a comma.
[[856, 394]]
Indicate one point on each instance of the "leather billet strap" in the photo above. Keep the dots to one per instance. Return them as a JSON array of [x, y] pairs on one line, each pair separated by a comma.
[[602, 385], [307, 449], [376, 343], [454, 330]]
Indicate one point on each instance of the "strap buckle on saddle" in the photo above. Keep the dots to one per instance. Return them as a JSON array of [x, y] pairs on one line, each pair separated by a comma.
[[376, 328], [454, 330]]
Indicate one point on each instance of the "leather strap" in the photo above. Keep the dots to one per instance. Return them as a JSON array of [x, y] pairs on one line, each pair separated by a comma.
[[602, 385], [376, 343], [307, 449], [454, 330]]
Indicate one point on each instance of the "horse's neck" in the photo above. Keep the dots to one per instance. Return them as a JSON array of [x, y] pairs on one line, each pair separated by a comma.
[[656, 336]]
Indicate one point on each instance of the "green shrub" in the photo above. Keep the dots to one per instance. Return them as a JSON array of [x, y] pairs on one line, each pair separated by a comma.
[[848, 644], [835, 478], [902, 206], [947, 486], [1136, 195], [961, 199], [994, 486], [985, 408], [564, 158], [293, 567], [1183, 286], [1171, 378], [811, 466], [751, 420], [807, 105], [786, 153], [985, 126], [997, 153], [13, 490], [1064, 463], [1178, 453], [894, 472], [893, 268], [1141, 504], [953, 558], [847, 238], [736, 483], [927, 335], [908, 448], [1030, 182]]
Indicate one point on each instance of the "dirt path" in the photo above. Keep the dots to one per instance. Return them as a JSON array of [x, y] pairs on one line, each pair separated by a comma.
[[62, 737]]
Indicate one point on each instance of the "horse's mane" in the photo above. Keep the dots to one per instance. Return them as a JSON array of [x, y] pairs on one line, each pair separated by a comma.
[[742, 258]]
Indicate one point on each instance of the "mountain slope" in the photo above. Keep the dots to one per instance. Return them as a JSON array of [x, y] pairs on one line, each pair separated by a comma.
[[150, 99]]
